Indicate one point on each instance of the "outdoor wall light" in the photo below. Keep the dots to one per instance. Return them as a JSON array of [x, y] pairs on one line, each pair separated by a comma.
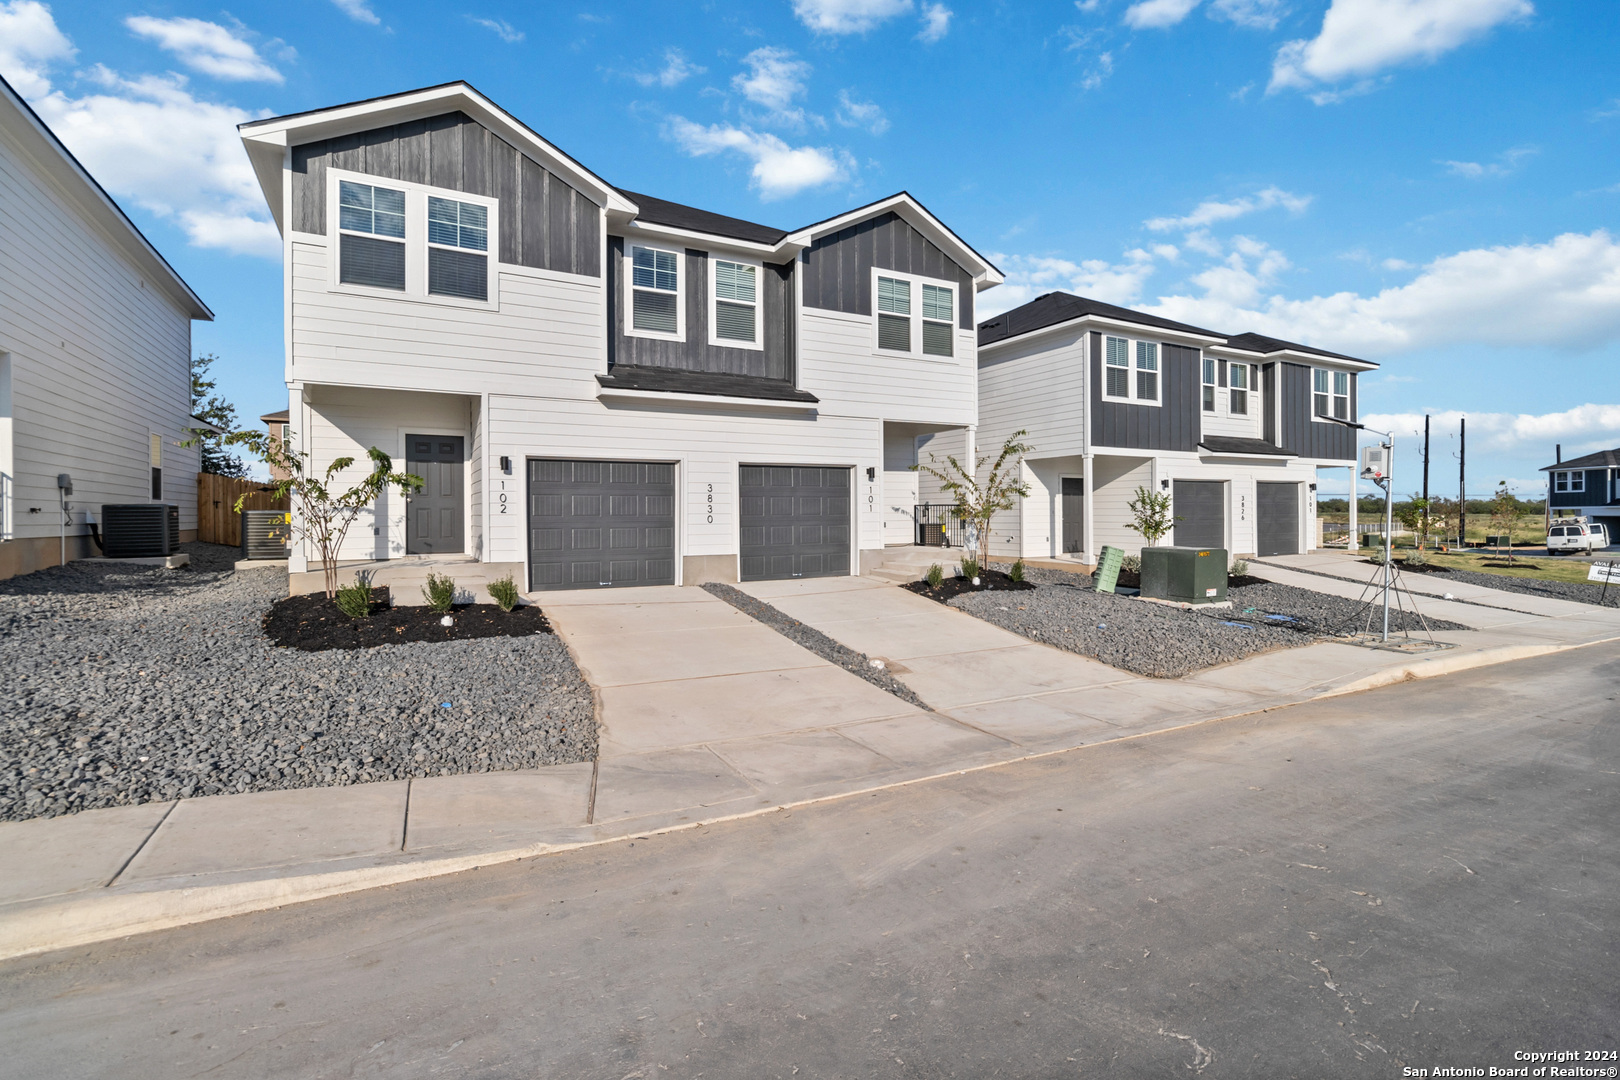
[[871, 472], [1313, 487], [506, 465], [1165, 484]]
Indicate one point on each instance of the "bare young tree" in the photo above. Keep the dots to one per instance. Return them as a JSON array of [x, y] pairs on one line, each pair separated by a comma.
[[979, 502], [1150, 515]]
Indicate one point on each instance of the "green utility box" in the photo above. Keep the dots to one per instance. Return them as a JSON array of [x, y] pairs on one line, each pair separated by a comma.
[[1187, 575]]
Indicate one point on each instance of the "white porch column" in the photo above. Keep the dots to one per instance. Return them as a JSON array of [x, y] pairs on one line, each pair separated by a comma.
[[1354, 539], [298, 412], [1088, 506]]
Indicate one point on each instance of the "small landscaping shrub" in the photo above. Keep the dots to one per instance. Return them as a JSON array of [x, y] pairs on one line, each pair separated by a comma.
[[1131, 564], [1417, 558], [354, 599], [1240, 568], [935, 576], [1016, 571], [1376, 556], [505, 592], [440, 592], [970, 567]]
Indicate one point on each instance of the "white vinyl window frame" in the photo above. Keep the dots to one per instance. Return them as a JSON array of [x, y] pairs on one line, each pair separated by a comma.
[[416, 241], [1330, 389], [1135, 363], [1238, 398], [1569, 482], [916, 317], [1207, 366], [715, 300], [630, 289]]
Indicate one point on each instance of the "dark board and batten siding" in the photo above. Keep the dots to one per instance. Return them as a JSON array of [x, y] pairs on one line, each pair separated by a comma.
[[1174, 424], [838, 268], [775, 361], [1301, 434], [544, 223]]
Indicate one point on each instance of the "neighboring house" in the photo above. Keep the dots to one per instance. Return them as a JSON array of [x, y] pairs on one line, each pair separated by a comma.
[[1586, 486], [275, 424], [95, 350], [601, 387], [1234, 429]]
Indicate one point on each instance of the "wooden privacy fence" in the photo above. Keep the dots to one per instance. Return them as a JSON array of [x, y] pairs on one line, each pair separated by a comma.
[[217, 519]]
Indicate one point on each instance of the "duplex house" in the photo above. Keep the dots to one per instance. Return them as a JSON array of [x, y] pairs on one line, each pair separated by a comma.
[[1587, 486], [1233, 428], [95, 355], [600, 387]]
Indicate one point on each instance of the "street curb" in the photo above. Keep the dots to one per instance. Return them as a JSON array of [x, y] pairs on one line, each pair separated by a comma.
[[1450, 664]]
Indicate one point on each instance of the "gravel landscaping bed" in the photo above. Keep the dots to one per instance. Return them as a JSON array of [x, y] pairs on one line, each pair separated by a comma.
[[1584, 592], [823, 646], [1165, 642], [132, 684], [314, 623]]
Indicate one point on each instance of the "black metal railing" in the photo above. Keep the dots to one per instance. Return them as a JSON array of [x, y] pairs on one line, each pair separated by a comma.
[[938, 526]]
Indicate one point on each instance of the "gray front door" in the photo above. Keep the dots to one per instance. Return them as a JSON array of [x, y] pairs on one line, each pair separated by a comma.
[[435, 516], [1074, 514], [1201, 506], [1277, 515], [795, 522], [598, 523]]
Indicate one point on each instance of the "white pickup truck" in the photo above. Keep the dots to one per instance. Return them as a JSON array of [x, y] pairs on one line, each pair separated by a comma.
[[1568, 536]]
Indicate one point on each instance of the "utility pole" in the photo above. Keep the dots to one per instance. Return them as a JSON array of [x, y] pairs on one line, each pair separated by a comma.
[[1425, 538], [1462, 482]]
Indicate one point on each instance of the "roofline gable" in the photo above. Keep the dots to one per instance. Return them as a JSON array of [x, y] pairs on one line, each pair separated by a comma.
[[985, 274]]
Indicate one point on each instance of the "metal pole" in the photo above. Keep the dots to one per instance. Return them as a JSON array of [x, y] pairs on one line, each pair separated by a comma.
[[61, 497], [1462, 483], [1389, 520], [1425, 478]]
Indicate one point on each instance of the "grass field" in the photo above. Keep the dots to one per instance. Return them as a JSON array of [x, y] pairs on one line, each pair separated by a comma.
[[1542, 569]]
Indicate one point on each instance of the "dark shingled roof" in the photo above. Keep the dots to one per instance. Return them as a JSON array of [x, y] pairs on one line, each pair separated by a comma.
[[1223, 444], [663, 212], [712, 383], [1060, 307], [1603, 459], [1261, 344]]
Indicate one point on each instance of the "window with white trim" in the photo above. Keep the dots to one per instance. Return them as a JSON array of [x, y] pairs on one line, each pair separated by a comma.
[[938, 320], [1569, 481], [1237, 392], [734, 312], [1131, 370], [655, 292], [1331, 393], [1209, 384], [371, 235], [1147, 371], [458, 240], [894, 314], [913, 316]]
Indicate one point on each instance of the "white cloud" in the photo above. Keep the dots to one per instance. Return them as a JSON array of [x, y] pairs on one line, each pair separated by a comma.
[[1360, 38], [206, 47], [861, 114], [676, 70], [1506, 164], [1562, 294], [847, 16], [502, 29], [1029, 276], [1098, 72], [29, 44], [1211, 211], [1087, 5], [1397, 264], [773, 79], [936, 23], [779, 170], [1158, 14], [1254, 14], [358, 10], [1582, 430]]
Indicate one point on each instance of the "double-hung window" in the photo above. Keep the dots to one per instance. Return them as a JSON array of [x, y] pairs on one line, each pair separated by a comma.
[[1131, 370], [1569, 481], [1209, 384], [1332, 393], [1237, 392], [938, 320], [1147, 371], [371, 225], [655, 292], [458, 242], [1117, 373], [914, 316], [894, 314], [735, 315]]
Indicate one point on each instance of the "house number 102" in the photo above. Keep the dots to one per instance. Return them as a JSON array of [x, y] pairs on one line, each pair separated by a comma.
[[503, 496], [709, 507]]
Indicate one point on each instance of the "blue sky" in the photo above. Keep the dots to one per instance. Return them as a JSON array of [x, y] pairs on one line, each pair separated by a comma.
[[1432, 184]]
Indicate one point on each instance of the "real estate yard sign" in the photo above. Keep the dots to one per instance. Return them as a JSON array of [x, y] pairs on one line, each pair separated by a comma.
[[1606, 572]]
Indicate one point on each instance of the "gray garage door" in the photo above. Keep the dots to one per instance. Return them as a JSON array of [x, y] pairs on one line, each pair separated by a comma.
[[1201, 506], [795, 522], [594, 523], [1277, 515]]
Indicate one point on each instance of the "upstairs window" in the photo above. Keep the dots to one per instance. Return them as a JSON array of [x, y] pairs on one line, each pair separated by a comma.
[[1131, 371], [1209, 384], [736, 303], [1332, 393], [1117, 378], [894, 314], [655, 292], [458, 238], [371, 224], [1238, 389], [1147, 371], [1569, 481], [938, 320]]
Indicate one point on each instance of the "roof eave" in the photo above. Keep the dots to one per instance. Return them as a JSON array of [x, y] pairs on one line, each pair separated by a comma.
[[1295, 355], [1104, 322]]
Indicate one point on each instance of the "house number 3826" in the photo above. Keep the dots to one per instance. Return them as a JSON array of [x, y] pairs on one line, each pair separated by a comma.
[[708, 508]]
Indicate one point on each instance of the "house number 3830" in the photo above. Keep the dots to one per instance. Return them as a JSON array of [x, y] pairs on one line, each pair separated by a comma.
[[708, 508]]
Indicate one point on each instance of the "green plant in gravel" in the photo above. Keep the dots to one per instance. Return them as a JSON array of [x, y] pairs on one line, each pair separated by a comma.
[[935, 576], [970, 567], [439, 592], [1131, 564], [1376, 556], [1240, 568], [1016, 571], [354, 599], [1416, 558], [505, 592], [1150, 515]]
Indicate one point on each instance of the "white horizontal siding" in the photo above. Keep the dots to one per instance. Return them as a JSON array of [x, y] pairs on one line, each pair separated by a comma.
[[1039, 388], [99, 359], [1115, 486], [839, 365]]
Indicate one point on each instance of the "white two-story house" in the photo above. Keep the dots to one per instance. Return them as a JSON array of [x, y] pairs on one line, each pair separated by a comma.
[[602, 388], [1233, 428]]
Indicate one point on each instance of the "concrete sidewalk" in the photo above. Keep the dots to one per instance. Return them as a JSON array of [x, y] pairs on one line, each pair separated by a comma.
[[707, 715]]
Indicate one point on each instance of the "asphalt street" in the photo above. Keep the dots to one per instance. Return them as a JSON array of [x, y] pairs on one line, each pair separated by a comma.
[[1418, 877]]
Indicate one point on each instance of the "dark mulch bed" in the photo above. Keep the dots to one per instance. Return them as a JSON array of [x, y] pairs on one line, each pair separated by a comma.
[[952, 587], [315, 624], [1409, 568]]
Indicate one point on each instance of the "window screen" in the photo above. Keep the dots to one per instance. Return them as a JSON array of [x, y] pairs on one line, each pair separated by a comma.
[[735, 301], [938, 315], [366, 209], [365, 260], [1341, 394], [1322, 403], [1118, 382], [1147, 370], [458, 273], [655, 281], [894, 314], [458, 224], [1209, 384], [1238, 377]]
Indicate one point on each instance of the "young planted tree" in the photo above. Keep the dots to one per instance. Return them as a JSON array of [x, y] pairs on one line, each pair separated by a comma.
[[209, 406], [976, 501], [1506, 513], [322, 515], [1414, 516], [1150, 515]]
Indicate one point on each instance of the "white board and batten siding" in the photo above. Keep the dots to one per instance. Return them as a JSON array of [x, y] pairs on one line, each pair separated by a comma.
[[97, 356]]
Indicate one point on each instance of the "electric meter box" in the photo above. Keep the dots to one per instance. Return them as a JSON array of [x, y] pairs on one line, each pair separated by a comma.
[[1188, 575]]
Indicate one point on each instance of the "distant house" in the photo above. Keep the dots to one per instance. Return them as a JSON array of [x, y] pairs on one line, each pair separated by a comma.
[[95, 354], [1586, 486], [276, 424]]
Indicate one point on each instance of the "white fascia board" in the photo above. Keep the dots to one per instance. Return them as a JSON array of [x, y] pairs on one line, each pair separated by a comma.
[[984, 274], [1207, 454], [708, 241], [1294, 356], [711, 400], [1099, 322], [418, 105]]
